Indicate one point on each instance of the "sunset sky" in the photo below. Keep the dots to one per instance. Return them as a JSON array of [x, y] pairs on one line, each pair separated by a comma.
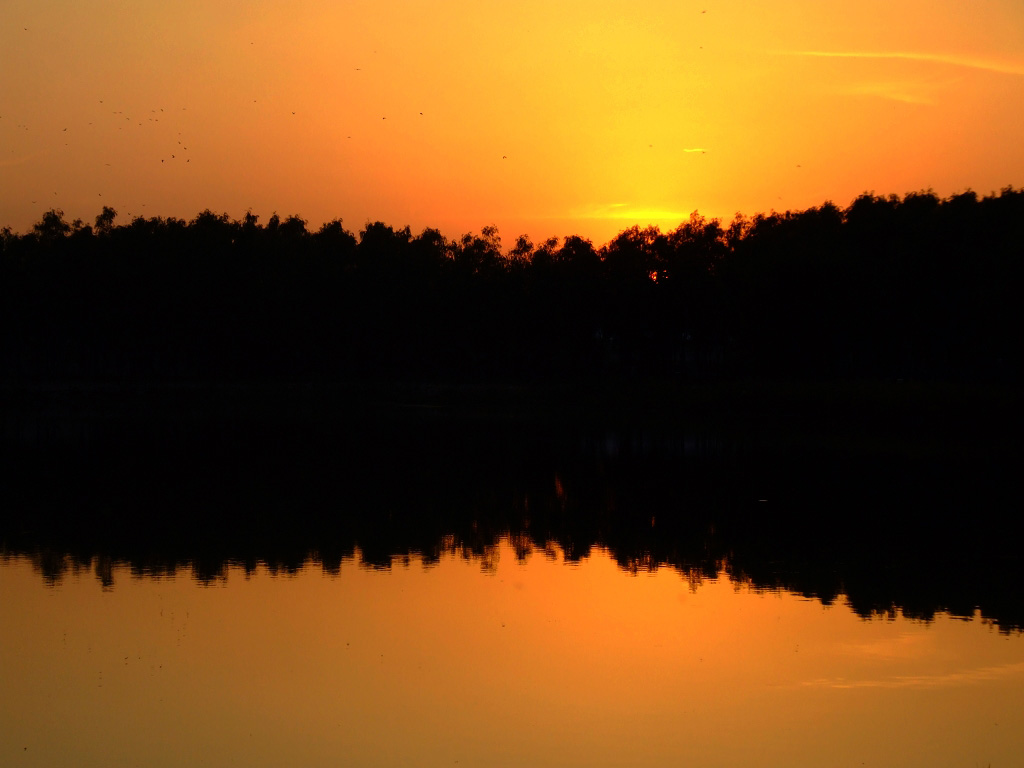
[[543, 117]]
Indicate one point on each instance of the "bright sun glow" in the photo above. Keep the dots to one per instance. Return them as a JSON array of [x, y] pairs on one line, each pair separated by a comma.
[[542, 118]]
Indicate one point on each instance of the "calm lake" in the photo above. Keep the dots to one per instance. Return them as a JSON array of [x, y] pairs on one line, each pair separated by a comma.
[[503, 662], [431, 594]]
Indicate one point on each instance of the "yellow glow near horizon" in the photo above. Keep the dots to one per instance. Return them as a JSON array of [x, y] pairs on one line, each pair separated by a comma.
[[542, 118]]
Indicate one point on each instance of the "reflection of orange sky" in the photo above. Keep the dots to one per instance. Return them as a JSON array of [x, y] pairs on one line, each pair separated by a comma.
[[534, 663], [544, 118]]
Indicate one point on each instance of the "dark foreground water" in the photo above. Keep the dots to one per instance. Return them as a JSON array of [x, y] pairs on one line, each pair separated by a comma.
[[416, 586]]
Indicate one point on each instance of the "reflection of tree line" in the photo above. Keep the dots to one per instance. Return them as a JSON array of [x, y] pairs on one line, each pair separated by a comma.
[[914, 287], [892, 533]]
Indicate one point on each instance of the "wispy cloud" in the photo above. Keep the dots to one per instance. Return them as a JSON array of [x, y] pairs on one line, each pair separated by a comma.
[[970, 62], [907, 92], [633, 213], [900, 647], [963, 677]]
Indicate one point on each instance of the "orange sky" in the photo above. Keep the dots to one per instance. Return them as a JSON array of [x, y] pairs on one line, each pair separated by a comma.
[[550, 117]]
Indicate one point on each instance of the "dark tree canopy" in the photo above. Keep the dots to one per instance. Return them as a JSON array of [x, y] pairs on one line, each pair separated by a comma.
[[890, 287]]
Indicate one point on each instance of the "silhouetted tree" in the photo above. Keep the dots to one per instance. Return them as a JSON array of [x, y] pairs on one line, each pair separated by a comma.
[[105, 220], [52, 226], [890, 287]]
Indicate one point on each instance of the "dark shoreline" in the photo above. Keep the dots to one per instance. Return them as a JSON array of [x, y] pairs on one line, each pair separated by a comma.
[[902, 495]]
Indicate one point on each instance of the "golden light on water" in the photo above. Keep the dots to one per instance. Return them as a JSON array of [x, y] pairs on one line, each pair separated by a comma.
[[534, 662], [542, 118]]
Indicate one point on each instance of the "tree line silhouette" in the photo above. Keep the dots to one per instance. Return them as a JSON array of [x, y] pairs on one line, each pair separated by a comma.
[[915, 287], [912, 533]]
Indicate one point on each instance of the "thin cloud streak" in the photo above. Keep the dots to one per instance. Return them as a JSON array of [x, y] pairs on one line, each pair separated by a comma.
[[908, 93], [964, 677], [626, 211], [935, 58]]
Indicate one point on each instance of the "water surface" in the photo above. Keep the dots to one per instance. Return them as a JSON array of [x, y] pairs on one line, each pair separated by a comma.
[[209, 581], [516, 658]]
